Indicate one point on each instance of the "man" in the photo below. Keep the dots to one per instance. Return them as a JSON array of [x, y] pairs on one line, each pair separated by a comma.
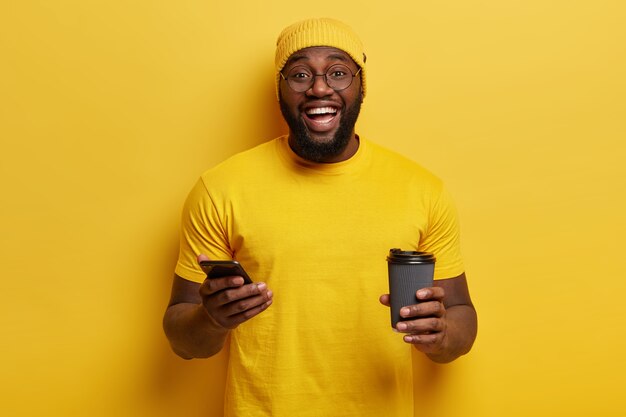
[[311, 217]]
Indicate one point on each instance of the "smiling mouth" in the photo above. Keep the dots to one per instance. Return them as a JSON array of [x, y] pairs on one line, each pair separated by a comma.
[[320, 118]]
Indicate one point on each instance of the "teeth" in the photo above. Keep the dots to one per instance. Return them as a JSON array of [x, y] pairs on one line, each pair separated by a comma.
[[321, 110]]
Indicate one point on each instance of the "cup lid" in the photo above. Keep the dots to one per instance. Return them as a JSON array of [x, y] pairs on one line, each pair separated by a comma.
[[410, 257]]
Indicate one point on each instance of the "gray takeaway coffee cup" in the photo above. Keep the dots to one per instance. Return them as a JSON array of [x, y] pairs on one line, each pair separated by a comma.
[[409, 271]]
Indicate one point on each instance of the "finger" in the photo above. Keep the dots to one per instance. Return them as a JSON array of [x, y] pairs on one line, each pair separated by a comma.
[[430, 293], [384, 300], [214, 285], [203, 257], [220, 308], [241, 306], [237, 319], [425, 342], [421, 326], [236, 294], [425, 309]]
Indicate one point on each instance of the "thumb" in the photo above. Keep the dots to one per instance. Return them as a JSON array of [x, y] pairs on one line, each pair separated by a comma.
[[384, 299], [202, 257]]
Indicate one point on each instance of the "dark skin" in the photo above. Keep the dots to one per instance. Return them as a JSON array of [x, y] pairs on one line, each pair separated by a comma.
[[199, 317], [444, 324], [319, 60]]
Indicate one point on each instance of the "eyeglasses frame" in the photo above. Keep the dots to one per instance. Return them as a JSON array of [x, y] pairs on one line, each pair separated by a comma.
[[325, 75]]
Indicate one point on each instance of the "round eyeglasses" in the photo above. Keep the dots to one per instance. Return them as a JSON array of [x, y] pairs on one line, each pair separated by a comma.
[[338, 77]]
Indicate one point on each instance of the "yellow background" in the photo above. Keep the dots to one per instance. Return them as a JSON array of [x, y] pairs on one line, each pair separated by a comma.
[[109, 111]]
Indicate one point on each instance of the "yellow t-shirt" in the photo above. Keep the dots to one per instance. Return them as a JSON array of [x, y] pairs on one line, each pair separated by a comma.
[[318, 235]]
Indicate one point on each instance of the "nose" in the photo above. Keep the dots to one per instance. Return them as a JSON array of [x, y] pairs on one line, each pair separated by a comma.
[[320, 87]]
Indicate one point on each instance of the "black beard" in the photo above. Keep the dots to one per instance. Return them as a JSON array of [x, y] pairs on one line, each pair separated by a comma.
[[314, 151]]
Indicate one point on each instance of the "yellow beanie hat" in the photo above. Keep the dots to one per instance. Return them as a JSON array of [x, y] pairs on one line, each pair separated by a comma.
[[318, 32]]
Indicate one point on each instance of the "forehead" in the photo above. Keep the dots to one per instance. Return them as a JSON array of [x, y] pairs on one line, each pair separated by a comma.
[[319, 53]]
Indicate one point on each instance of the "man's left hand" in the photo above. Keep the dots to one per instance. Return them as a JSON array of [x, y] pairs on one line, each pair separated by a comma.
[[425, 323]]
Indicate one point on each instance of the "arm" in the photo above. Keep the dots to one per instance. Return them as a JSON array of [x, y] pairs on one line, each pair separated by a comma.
[[199, 317], [444, 324]]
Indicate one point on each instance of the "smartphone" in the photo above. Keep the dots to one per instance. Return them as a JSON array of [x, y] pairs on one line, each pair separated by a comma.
[[218, 269]]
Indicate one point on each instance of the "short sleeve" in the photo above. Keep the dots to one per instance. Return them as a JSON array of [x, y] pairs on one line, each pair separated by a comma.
[[202, 232], [443, 236]]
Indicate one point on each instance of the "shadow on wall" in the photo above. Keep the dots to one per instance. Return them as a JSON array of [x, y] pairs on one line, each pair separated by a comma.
[[273, 123], [174, 386], [188, 387], [168, 384], [257, 114]]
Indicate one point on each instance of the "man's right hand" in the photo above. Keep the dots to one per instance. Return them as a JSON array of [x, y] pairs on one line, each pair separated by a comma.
[[229, 303]]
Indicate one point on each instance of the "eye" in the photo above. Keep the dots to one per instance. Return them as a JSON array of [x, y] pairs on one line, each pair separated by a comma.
[[299, 74], [338, 72]]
